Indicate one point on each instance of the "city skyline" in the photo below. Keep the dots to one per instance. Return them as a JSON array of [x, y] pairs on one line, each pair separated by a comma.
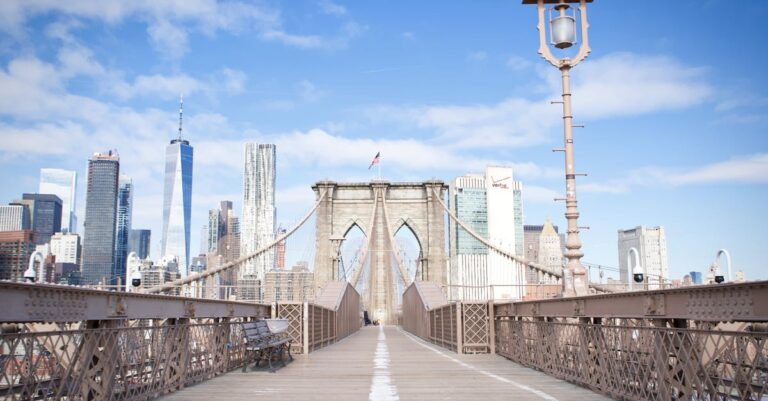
[[673, 116]]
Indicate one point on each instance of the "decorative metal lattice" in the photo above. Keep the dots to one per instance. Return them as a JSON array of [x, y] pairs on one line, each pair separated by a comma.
[[116, 361], [294, 312], [475, 327], [642, 363]]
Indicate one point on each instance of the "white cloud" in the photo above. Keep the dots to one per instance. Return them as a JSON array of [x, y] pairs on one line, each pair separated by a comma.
[[305, 41], [518, 63], [169, 39], [332, 8], [169, 23], [625, 84], [308, 92], [540, 195], [163, 86], [78, 60], [751, 169], [311, 149], [233, 80], [299, 195], [605, 87]]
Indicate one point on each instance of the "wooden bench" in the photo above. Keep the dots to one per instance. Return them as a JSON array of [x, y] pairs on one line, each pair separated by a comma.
[[260, 340]]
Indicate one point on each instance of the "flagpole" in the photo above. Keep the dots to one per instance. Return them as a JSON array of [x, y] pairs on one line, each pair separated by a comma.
[[379, 166]]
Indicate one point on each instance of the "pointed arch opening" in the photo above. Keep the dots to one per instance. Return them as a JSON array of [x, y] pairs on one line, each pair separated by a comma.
[[410, 249], [352, 251]]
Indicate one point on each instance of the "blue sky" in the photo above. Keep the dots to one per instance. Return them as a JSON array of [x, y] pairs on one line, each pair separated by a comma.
[[673, 97]]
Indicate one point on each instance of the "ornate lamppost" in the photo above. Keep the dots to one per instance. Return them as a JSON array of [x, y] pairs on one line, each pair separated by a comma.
[[562, 36]]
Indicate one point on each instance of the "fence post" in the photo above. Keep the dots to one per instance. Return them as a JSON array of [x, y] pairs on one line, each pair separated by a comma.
[[459, 329], [491, 328], [305, 326]]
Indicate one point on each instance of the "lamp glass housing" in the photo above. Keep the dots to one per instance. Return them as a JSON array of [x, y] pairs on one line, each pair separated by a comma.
[[563, 31]]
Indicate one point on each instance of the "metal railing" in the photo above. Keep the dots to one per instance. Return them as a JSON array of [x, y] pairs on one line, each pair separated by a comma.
[[642, 363], [531, 292], [459, 326], [646, 345], [117, 360], [63, 342], [313, 326]]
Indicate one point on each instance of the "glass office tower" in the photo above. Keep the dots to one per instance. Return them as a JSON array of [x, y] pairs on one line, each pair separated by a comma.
[[123, 227], [62, 183], [177, 202], [100, 218]]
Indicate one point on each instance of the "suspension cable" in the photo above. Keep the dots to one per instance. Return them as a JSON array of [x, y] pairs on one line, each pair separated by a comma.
[[487, 243], [206, 273], [395, 250], [508, 254], [361, 261]]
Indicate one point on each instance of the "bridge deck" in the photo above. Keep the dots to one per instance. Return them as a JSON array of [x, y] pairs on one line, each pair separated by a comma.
[[386, 363]]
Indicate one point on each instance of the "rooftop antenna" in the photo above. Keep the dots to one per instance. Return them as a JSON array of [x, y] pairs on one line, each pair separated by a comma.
[[181, 111]]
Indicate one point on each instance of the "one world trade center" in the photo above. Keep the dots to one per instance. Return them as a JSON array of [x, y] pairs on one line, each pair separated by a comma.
[[177, 199]]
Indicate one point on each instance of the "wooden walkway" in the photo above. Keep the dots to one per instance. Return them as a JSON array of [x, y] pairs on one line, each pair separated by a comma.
[[386, 363]]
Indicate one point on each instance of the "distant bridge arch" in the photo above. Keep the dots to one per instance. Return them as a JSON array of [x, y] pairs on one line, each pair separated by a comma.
[[380, 209]]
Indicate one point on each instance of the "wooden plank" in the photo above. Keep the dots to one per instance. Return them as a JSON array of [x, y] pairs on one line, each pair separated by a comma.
[[416, 370]]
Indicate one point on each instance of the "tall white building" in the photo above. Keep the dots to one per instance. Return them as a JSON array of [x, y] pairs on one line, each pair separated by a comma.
[[62, 183], [503, 231], [257, 226], [651, 244], [490, 205], [66, 247], [14, 218]]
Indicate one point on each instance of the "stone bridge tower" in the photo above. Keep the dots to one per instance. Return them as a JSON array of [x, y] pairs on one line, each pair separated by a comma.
[[380, 209]]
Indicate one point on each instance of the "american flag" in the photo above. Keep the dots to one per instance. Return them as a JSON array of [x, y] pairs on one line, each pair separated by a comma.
[[375, 160]]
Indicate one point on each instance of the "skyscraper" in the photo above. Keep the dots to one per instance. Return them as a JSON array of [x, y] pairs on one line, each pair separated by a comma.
[[651, 244], [550, 249], [66, 248], [258, 218], [204, 236], [491, 205], [517, 195], [45, 215], [62, 183], [15, 249], [531, 242], [503, 230], [469, 257], [177, 200], [139, 242], [123, 226], [14, 217], [280, 250], [214, 231], [100, 218]]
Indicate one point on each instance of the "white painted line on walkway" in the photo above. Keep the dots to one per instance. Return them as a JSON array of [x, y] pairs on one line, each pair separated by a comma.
[[438, 351], [382, 388]]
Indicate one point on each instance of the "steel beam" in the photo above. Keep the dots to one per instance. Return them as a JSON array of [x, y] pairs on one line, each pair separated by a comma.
[[743, 302], [27, 303]]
